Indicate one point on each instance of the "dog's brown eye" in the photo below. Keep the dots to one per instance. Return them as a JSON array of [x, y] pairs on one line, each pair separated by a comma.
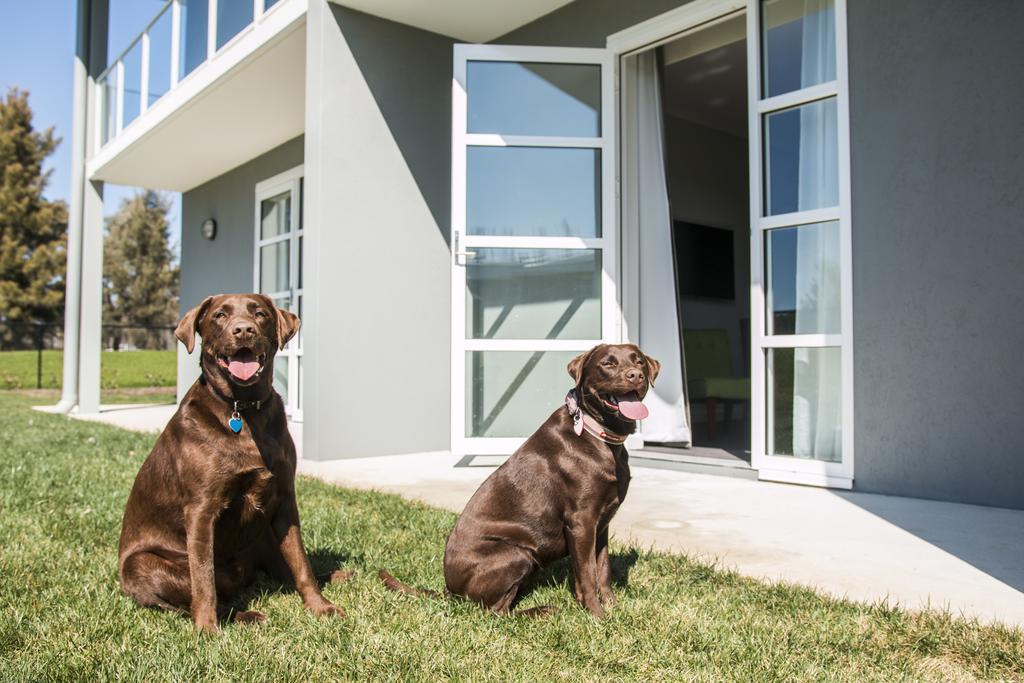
[[260, 314], [219, 314]]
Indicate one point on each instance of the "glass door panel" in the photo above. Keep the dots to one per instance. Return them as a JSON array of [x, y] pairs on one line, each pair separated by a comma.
[[532, 234], [278, 272], [801, 242]]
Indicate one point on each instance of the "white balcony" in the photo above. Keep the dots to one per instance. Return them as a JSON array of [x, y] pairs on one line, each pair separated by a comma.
[[208, 85]]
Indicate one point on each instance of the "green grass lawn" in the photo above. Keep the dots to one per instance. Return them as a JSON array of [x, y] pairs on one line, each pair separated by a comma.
[[63, 485], [118, 369]]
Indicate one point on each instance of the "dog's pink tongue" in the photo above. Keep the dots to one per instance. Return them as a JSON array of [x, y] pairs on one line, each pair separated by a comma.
[[243, 370], [631, 408]]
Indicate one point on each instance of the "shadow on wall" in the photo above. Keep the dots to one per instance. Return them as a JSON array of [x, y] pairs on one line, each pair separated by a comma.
[[409, 73], [989, 539]]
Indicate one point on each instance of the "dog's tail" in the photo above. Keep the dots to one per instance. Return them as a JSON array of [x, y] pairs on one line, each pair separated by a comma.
[[394, 584], [399, 587]]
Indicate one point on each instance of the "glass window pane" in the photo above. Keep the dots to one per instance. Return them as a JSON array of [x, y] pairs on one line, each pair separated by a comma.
[[799, 43], [274, 267], [533, 294], [109, 122], [803, 279], [549, 191], [132, 83], [802, 166], [194, 20], [510, 393], [276, 215], [159, 57], [300, 260], [805, 411], [281, 377], [520, 98], [232, 17], [298, 312], [267, 4]]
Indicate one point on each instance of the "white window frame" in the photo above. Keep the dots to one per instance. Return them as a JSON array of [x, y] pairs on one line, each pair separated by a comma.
[[667, 26], [461, 242], [288, 181]]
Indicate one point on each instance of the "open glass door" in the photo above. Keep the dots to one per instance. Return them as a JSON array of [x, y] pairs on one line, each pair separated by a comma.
[[800, 213], [533, 233]]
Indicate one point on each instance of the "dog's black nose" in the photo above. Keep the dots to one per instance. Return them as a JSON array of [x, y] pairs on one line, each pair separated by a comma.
[[634, 375], [244, 328]]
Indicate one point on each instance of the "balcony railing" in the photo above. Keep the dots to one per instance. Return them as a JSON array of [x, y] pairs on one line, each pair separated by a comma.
[[182, 36]]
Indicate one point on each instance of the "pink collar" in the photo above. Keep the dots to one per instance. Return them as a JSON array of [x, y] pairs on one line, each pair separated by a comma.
[[584, 421]]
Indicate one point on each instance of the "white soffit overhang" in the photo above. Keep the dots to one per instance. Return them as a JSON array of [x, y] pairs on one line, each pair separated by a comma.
[[248, 100], [474, 21]]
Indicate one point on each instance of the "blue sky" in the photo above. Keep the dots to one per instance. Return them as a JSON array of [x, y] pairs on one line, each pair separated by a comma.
[[37, 46]]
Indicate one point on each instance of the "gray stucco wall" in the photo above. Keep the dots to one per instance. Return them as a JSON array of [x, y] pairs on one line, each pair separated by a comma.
[[378, 199], [938, 248], [224, 264]]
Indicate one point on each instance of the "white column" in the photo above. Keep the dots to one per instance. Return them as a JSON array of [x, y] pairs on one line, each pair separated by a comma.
[[90, 58], [90, 340]]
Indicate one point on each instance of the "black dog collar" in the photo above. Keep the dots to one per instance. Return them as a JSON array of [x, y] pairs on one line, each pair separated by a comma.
[[235, 422]]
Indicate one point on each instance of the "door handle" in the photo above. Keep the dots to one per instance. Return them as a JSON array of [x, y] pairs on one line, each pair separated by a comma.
[[463, 254]]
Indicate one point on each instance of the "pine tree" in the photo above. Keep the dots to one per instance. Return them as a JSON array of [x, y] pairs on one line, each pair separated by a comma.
[[140, 284], [33, 229]]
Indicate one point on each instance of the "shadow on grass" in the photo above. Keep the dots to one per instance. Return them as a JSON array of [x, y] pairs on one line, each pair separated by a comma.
[[324, 562], [559, 574]]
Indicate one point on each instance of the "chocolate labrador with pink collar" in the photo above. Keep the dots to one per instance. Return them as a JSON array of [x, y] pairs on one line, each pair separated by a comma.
[[215, 500], [556, 495]]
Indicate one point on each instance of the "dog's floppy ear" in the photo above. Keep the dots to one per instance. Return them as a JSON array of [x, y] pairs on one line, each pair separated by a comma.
[[577, 364], [654, 367], [287, 325], [189, 325]]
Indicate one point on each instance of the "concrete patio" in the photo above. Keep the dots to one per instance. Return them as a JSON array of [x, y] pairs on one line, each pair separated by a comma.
[[914, 552]]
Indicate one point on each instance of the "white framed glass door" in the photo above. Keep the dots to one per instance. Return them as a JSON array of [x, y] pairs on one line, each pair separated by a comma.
[[801, 300], [278, 272], [534, 241]]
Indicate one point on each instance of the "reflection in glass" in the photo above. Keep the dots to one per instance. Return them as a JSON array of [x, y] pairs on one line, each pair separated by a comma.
[[805, 409], [802, 167], [533, 294], [132, 83], [194, 20], [803, 279], [510, 393], [159, 58], [275, 215], [513, 98], [799, 39], [551, 191], [232, 17], [108, 123], [281, 377], [274, 267]]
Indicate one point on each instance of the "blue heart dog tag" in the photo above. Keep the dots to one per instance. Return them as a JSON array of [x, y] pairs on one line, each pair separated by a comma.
[[235, 422]]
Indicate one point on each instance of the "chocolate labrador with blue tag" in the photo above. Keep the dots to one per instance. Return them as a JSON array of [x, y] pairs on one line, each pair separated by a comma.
[[557, 494], [215, 500]]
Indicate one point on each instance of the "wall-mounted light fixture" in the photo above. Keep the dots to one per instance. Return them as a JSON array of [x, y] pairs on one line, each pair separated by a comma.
[[209, 228]]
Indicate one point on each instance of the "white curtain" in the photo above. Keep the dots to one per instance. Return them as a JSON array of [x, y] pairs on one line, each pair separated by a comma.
[[817, 411], [646, 191]]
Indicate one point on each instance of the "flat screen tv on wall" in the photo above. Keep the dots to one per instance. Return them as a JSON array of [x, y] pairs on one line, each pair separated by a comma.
[[704, 261]]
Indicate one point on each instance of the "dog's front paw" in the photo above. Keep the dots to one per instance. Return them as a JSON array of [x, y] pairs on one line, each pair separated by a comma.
[[608, 598], [207, 624], [326, 609], [249, 617]]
